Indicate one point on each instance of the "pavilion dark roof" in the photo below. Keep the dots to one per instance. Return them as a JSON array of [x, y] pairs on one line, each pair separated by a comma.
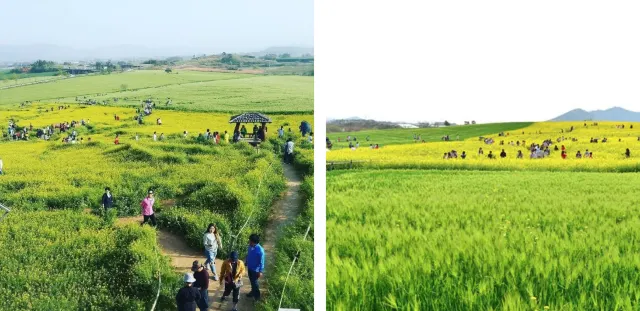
[[250, 117]]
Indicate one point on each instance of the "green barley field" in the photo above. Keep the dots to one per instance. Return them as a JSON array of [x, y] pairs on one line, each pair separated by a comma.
[[405, 136], [479, 240], [188, 90]]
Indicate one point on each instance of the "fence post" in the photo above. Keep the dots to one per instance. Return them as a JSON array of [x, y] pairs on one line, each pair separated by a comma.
[[6, 211]]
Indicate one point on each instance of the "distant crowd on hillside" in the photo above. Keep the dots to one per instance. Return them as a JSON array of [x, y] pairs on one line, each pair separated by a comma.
[[541, 150]]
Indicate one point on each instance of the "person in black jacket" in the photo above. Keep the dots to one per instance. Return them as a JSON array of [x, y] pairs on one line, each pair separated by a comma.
[[188, 295], [107, 199]]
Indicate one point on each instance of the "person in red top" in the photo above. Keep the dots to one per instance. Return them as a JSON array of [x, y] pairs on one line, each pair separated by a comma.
[[564, 154], [202, 284], [117, 141]]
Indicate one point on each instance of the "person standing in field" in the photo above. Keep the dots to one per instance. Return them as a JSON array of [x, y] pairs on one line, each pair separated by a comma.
[[281, 132], [243, 131], [188, 296], [155, 137], [117, 140], [107, 199], [147, 209], [232, 271], [212, 243], [255, 265], [202, 284], [1, 167], [288, 156], [226, 137], [627, 153]]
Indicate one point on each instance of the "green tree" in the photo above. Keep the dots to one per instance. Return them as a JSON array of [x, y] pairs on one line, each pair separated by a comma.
[[43, 66], [168, 70], [446, 123]]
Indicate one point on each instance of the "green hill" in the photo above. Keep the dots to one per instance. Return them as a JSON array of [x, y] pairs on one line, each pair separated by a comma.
[[405, 136]]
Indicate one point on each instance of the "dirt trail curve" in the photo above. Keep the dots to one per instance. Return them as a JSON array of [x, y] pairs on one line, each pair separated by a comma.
[[182, 256]]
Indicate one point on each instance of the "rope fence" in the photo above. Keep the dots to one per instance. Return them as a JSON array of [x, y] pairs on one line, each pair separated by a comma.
[[6, 211], [235, 238], [291, 269]]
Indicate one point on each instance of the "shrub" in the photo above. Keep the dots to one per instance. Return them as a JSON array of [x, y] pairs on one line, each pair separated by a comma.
[[192, 225]]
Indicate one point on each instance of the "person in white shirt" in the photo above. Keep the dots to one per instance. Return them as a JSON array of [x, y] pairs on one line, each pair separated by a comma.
[[288, 153], [310, 137], [155, 137], [1, 167], [212, 242], [281, 132]]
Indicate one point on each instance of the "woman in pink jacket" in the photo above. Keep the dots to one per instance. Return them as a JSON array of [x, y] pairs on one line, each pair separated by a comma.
[[147, 209]]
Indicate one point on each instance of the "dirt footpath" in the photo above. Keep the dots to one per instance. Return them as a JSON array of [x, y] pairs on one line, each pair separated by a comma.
[[182, 256]]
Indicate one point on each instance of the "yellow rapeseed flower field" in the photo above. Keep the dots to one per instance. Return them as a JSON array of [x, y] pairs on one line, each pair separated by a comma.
[[609, 156]]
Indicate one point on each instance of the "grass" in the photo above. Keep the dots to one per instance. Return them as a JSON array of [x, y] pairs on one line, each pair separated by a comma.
[[608, 157], [405, 136], [469, 240], [173, 122], [189, 91], [71, 261], [207, 182]]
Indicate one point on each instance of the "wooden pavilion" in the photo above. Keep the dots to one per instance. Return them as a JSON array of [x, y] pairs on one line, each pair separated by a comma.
[[252, 117]]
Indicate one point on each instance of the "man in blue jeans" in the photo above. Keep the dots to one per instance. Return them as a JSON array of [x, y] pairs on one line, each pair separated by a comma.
[[255, 265]]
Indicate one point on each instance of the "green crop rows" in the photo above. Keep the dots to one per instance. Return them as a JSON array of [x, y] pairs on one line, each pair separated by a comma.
[[469, 240]]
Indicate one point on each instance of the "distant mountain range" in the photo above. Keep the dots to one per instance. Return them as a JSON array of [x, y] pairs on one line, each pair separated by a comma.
[[30, 53], [611, 114]]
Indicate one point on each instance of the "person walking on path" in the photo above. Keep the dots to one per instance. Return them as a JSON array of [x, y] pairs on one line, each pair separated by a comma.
[[232, 271], [255, 265], [187, 297], [147, 209], [288, 152], [202, 284], [212, 243], [107, 199]]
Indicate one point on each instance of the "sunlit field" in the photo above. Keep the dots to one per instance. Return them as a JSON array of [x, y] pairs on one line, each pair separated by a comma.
[[406, 136], [607, 157], [443, 240], [188, 91], [54, 190]]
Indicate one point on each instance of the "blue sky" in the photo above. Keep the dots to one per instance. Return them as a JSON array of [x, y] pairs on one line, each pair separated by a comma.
[[237, 25]]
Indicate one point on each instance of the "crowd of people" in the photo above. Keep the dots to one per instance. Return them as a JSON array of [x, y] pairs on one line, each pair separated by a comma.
[[15, 132], [196, 284], [536, 151]]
